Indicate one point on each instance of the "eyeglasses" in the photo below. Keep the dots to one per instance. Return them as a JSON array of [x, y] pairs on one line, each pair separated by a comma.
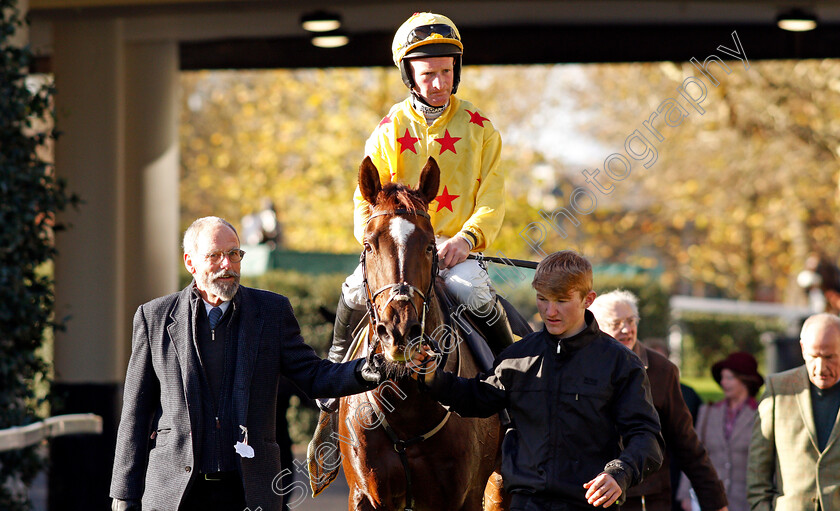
[[618, 324], [233, 256], [423, 32]]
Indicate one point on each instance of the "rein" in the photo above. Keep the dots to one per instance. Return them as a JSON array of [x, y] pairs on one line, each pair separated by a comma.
[[401, 291]]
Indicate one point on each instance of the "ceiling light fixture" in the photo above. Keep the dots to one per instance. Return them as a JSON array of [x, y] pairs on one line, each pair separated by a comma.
[[796, 20], [333, 39], [320, 21]]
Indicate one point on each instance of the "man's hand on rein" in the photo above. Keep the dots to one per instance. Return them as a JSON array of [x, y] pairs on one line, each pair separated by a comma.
[[423, 363]]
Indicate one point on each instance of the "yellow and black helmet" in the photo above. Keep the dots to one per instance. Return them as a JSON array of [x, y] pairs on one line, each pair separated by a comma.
[[425, 34]]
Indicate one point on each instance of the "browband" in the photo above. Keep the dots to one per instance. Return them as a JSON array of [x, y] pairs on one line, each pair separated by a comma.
[[400, 211]]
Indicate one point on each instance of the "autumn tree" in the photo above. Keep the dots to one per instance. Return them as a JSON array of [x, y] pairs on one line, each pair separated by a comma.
[[735, 199]]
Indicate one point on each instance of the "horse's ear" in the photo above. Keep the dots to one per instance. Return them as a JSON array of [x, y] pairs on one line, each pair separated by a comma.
[[369, 183], [429, 180]]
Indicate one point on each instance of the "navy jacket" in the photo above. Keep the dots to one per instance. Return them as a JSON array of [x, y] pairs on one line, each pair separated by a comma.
[[572, 411]]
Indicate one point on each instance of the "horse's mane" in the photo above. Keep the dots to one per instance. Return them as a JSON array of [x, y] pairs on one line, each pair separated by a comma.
[[399, 196]]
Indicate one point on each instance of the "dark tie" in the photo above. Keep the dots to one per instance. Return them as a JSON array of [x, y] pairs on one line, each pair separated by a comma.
[[215, 315]]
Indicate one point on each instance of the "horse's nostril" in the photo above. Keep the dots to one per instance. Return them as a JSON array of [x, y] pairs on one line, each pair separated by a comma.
[[382, 331]]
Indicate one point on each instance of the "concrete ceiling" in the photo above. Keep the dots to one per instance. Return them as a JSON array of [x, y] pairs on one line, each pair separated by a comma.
[[267, 34]]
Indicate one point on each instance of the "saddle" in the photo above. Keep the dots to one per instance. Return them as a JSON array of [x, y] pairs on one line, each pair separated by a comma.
[[472, 329]]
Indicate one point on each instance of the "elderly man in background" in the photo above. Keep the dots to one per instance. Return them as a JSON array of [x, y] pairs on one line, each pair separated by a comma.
[[617, 314], [794, 461]]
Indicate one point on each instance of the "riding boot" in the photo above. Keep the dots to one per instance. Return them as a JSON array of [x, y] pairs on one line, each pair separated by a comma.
[[346, 320], [323, 464], [499, 334]]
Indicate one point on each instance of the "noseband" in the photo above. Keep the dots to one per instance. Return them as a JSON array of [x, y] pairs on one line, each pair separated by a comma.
[[401, 291]]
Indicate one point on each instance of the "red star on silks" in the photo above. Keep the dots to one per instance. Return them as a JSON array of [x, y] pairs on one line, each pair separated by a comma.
[[476, 118], [444, 200], [407, 142], [385, 120], [447, 142]]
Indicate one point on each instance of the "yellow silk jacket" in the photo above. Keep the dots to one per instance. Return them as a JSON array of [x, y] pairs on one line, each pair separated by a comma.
[[467, 148]]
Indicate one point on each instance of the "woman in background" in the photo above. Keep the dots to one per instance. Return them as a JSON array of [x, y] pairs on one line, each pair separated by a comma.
[[725, 428]]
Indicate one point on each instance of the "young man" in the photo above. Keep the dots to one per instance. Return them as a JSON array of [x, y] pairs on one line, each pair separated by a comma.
[[584, 427]]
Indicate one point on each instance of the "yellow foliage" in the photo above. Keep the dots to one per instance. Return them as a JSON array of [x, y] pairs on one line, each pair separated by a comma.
[[736, 198]]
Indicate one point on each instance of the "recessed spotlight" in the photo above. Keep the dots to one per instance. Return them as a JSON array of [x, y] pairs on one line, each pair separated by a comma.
[[796, 20], [334, 39], [320, 21]]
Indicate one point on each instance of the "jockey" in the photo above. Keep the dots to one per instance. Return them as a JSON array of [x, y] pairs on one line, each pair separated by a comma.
[[468, 211]]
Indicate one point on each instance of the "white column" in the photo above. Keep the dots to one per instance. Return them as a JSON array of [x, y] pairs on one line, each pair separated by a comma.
[[21, 36], [117, 107], [152, 166], [87, 64]]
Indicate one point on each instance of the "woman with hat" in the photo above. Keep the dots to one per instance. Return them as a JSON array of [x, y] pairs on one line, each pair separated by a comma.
[[725, 427]]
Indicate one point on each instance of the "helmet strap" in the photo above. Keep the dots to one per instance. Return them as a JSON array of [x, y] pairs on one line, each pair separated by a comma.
[[422, 107]]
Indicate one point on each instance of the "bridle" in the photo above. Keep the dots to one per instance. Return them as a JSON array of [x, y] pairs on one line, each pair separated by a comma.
[[401, 291]]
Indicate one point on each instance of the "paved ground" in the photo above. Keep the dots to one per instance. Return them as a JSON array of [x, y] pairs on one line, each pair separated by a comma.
[[38, 493], [332, 499]]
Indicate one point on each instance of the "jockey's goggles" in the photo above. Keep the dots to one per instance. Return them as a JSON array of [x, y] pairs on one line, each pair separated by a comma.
[[436, 30]]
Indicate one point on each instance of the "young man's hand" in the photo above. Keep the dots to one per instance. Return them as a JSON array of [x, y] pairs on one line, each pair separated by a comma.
[[602, 491], [423, 363]]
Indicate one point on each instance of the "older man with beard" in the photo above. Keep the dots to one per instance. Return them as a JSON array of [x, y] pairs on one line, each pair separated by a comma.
[[198, 421]]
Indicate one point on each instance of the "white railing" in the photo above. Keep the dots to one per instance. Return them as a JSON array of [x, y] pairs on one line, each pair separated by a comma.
[[60, 425]]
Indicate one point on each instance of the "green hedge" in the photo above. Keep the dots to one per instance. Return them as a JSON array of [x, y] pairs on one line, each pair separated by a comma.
[[708, 338]]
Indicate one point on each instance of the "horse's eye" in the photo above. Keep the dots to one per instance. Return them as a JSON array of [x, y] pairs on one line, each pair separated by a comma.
[[430, 248], [368, 247]]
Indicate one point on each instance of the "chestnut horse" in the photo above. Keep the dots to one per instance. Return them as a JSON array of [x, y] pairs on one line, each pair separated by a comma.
[[401, 449]]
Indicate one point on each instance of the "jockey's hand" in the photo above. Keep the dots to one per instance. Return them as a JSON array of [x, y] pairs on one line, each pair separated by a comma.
[[453, 251], [602, 491], [423, 364]]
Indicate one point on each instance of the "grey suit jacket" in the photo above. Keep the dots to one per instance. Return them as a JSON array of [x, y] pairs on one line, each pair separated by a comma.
[[162, 396], [786, 471]]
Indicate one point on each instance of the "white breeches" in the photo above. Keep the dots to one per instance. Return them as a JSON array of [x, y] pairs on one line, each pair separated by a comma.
[[468, 282]]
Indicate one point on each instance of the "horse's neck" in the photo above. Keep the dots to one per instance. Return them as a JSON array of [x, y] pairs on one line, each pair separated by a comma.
[[412, 411]]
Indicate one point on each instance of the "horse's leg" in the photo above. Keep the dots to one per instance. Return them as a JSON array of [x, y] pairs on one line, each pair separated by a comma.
[[495, 496], [358, 501]]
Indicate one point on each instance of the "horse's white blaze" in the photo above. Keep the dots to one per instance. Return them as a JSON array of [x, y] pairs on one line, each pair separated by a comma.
[[400, 230]]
